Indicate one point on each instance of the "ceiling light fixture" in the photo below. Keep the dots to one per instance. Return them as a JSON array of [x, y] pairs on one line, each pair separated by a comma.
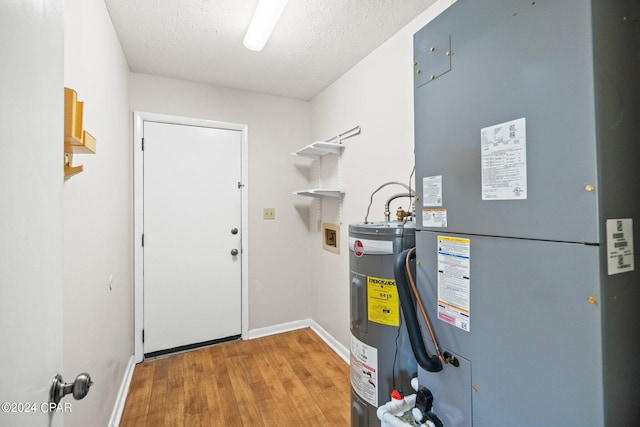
[[263, 22]]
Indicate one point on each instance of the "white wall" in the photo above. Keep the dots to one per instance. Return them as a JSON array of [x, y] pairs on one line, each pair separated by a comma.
[[31, 126], [376, 94], [98, 215], [288, 267], [278, 259]]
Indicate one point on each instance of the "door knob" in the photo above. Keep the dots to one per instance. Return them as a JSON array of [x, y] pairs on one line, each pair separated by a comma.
[[234, 231], [79, 387], [234, 252]]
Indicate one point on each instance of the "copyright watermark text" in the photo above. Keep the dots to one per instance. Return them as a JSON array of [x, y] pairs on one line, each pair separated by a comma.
[[27, 407]]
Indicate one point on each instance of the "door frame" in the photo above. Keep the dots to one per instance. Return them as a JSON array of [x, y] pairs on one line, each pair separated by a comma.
[[139, 118]]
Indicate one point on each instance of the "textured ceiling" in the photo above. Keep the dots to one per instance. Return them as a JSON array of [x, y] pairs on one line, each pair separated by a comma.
[[313, 44]]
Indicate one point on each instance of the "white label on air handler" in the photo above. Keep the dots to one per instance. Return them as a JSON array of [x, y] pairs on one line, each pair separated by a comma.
[[619, 245], [504, 161], [454, 281], [432, 190], [435, 217]]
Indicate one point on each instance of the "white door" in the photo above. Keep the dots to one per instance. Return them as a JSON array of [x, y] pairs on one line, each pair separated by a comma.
[[192, 227], [31, 214]]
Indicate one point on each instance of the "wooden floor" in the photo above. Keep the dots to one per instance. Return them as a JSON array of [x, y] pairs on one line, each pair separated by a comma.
[[285, 380]]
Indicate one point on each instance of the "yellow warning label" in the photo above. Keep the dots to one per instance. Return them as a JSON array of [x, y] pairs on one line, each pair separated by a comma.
[[382, 301]]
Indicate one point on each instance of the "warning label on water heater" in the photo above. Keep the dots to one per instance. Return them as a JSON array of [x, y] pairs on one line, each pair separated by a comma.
[[382, 301], [364, 370], [454, 281]]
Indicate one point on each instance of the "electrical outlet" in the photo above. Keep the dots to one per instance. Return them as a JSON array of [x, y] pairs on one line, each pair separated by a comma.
[[269, 213]]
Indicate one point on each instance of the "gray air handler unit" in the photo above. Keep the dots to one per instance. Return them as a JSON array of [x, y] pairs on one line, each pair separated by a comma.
[[527, 145], [381, 357]]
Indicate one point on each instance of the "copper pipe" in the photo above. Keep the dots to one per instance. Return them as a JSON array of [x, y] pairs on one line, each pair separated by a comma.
[[422, 309]]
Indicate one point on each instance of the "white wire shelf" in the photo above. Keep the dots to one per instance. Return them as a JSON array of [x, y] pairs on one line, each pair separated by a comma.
[[319, 192], [319, 148]]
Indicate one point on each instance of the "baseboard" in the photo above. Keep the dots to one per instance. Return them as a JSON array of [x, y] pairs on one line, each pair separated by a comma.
[[118, 407], [333, 343], [278, 329]]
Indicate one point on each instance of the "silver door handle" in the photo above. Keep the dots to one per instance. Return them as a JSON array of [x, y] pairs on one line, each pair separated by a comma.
[[234, 252], [79, 387]]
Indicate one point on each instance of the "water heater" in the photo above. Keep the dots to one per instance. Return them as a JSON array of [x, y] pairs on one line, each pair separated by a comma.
[[381, 357]]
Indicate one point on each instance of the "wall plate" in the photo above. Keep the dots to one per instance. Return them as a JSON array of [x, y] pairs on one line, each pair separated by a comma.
[[331, 237]]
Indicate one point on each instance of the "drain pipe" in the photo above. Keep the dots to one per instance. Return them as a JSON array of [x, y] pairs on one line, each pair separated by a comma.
[[386, 412], [427, 362]]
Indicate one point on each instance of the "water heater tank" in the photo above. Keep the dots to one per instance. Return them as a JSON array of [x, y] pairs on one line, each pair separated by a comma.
[[381, 357]]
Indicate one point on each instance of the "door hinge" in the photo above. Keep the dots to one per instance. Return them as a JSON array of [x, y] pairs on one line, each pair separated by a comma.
[[240, 185], [142, 144], [143, 335], [143, 240]]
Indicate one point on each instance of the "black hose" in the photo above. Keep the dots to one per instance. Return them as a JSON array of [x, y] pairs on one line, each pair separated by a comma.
[[426, 362]]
